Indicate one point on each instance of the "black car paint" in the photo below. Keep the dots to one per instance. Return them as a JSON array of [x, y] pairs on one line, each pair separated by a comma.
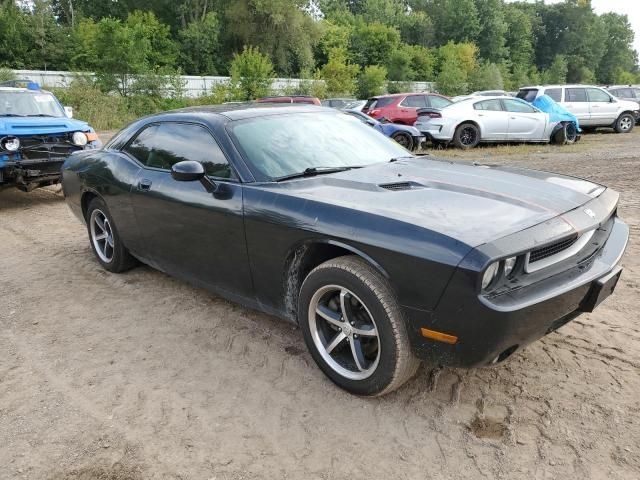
[[253, 242]]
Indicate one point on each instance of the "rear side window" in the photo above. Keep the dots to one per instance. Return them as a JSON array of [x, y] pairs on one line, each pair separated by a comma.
[[554, 93], [491, 105], [516, 106], [528, 94], [414, 101], [575, 95], [439, 102], [597, 95], [378, 103], [635, 93], [164, 144]]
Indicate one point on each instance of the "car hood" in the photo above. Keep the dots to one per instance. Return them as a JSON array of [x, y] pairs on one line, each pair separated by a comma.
[[40, 125], [472, 203], [629, 104]]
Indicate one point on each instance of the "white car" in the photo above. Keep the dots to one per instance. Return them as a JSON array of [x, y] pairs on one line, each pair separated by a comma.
[[489, 119], [594, 106]]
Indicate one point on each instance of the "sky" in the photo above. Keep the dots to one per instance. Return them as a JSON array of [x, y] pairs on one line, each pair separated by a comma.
[[629, 7]]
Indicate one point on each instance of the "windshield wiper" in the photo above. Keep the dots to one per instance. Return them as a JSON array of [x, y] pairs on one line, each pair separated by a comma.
[[395, 159], [11, 115], [40, 115], [312, 171]]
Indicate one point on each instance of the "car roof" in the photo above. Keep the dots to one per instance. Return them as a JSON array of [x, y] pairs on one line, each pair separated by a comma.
[[18, 89], [575, 85], [394, 95], [242, 111]]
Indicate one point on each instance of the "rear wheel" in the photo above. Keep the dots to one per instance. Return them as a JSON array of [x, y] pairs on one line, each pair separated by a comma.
[[105, 239], [403, 139], [354, 328], [566, 135], [466, 136], [625, 123]]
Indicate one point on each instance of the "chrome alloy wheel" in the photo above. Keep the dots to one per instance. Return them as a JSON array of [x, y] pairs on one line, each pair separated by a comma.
[[101, 235], [344, 332], [626, 123]]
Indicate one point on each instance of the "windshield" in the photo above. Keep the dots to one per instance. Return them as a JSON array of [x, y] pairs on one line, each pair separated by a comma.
[[27, 104], [280, 145]]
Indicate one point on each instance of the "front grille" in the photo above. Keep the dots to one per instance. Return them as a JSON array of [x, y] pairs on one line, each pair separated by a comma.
[[549, 250], [397, 186], [47, 147]]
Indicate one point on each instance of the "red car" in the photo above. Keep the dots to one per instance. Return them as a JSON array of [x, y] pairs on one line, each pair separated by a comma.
[[293, 99], [402, 107]]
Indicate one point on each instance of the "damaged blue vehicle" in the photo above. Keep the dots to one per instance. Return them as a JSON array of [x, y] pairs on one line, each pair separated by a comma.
[[36, 136]]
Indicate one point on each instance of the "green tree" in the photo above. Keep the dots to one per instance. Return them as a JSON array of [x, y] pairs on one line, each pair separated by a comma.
[[619, 55], [338, 74], [252, 72], [487, 77], [454, 20], [557, 72], [371, 81], [372, 44], [493, 28], [457, 61], [199, 46], [519, 43]]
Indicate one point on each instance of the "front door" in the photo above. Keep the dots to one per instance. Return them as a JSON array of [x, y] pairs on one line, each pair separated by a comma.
[[189, 232], [602, 106], [525, 122]]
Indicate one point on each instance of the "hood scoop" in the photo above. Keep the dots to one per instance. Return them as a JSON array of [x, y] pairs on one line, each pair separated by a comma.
[[401, 186]]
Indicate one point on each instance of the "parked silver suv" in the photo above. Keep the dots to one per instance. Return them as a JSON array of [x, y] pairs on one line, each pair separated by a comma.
[[594, 106]]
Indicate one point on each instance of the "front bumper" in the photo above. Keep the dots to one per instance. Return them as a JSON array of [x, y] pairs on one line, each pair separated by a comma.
[[491, 329]]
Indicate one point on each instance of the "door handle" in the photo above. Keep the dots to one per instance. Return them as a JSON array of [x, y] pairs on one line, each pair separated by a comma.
[[144, 185], [481, 114]]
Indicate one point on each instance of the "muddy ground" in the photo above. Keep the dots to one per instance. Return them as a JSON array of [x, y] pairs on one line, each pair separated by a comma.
[[140, 376]]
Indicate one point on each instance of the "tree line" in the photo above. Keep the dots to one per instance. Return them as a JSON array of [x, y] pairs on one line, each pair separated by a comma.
[[358, 47]]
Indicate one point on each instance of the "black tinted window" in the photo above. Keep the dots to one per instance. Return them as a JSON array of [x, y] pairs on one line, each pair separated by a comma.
[[493, 105], [164, 144], [575, 95], [416, 101], [554, 93], [528, 94], [378, 102]]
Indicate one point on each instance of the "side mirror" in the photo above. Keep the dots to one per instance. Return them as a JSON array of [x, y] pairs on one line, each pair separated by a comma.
[[187, 171], [190, 171], [68, 111]]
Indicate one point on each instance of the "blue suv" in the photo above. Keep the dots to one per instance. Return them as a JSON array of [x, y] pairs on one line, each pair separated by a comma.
[[36, 136]]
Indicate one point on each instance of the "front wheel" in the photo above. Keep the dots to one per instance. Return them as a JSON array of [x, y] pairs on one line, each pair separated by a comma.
[[403, 139], [354, 328], [625, 123], [466, 136], [105, 239]]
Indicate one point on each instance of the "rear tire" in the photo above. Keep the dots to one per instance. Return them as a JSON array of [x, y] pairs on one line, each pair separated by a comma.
[[105, 240], [467, 136], [354, 328], [566, 135], [625, 123], [404, 139]]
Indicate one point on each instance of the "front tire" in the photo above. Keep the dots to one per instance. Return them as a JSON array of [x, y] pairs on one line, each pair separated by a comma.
[[467, 136], [354, 329], [625, 123], [404, 139], [105, 240]]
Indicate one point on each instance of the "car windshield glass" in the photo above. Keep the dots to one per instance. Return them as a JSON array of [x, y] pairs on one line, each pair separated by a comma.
[[281, 145], [29, 104]]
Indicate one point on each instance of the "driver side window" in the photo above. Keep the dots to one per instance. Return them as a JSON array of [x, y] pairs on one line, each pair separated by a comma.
[[164, 144]]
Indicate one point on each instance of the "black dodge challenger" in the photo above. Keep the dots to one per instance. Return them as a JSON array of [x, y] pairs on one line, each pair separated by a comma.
[[383, 258]]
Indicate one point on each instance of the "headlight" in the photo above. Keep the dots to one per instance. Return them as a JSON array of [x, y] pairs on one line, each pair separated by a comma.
[[490, 274], [79, 138], [11, 144], [509, 265]]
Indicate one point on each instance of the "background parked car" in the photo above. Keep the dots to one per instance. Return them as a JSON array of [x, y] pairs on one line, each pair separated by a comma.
[[402, 107], [337, 102], [487, 119], [409, 137], [483, 93], [628, 92], [594, 106], [36, 136], [290, 99]]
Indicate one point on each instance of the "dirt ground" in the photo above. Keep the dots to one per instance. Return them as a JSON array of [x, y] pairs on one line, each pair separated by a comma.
[[140, 376]]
